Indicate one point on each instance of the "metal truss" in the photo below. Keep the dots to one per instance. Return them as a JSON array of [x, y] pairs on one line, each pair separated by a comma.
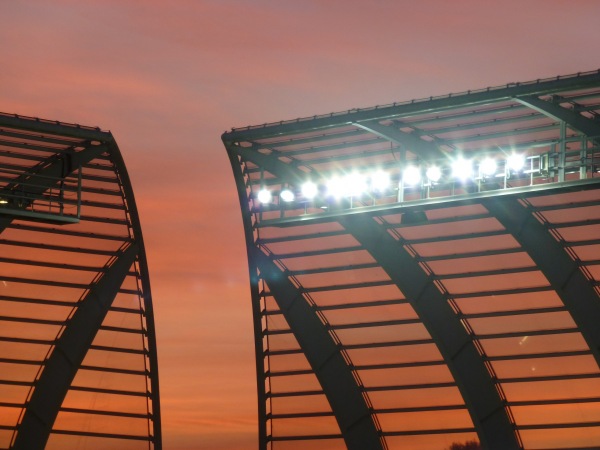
[[77, 341], [448, 309]]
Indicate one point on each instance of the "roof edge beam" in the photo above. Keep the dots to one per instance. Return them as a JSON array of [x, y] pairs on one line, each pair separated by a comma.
[[53, 127], [512, 90]]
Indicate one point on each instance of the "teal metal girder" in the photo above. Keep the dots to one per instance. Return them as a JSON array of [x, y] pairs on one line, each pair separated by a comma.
[[408, 141], [483, 96], [575, 290], [348, 404], [575, 120], [271, 163], [467, 366], [53, 127], [68, 353], [48, 173], [474, 380]]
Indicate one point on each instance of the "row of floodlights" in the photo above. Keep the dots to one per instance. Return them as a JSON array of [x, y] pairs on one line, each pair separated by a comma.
[[355, 184]]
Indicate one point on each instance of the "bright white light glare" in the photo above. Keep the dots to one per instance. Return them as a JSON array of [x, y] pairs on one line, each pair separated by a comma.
[[488, 167], [286, 195], [355, 184], [335, 187], [380, 181], [351, 185], [264, 196], [515, 162], [309, 190], [462, 169], [434, 173], [411, 175]]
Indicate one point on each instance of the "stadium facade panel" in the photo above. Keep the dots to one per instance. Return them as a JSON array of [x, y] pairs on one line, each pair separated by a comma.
[[78, 366], [426, 273]]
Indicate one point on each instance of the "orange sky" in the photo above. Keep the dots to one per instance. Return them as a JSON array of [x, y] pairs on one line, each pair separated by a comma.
[[167, 78]]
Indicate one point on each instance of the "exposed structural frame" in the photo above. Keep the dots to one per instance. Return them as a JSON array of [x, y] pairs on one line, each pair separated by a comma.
[[75, 289], [552, 125]]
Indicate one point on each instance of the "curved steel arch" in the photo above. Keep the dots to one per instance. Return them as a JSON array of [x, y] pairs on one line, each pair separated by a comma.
[[351, 411], [502, 307], [68, 354], [486, 407], [54, 154]]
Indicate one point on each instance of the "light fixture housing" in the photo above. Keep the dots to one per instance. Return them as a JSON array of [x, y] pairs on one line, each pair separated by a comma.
[[515, 162], [488, 167], [335, 187], [380, 181], [287, 195], [433, 174], [462, 169], [264, 196], [355, 184], [309, 190], [411, 175]]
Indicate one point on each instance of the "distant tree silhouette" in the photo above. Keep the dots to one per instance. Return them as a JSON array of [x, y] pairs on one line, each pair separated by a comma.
[[469, 445]]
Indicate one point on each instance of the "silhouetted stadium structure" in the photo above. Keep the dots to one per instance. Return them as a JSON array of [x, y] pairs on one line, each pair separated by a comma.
[[78, 362], [426, 272]]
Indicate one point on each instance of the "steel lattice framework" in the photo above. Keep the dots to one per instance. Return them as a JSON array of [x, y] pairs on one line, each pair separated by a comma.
[[434, 310], [78, 365]]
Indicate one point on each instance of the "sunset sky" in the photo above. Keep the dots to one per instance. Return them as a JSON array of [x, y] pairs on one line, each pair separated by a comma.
[[167, 78]]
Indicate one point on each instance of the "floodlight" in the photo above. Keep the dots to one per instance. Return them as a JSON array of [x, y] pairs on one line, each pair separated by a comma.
[[351, 185], [488, 167], [462, 169], [515, 162], [335, 187], [411, 175], [286, 195], [264, 196], [355, 184], [380, 181], [309, 190], [434, 173]]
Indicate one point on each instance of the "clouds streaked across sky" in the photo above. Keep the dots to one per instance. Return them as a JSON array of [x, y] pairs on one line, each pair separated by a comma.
[[167, 78]]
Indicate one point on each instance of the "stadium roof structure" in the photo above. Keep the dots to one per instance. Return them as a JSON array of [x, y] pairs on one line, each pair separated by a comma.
[[78, 366], [426, 272]]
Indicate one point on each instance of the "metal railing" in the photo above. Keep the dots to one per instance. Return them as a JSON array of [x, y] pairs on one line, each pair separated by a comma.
[[40, 197]]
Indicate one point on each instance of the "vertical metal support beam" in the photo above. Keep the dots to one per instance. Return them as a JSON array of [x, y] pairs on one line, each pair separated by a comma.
[[575, 290], [68, 353], [350, 408], [588, 127], [583, 156], [485, 405], [562, 152]]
